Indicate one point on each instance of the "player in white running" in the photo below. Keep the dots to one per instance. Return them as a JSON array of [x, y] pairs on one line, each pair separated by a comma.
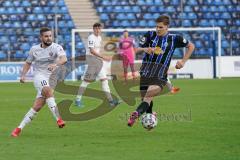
[[47, 57], [97, 62]]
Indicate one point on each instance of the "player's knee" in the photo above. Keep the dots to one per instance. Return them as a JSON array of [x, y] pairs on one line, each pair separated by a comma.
[[85, 84], [47, 92], [147, 99]]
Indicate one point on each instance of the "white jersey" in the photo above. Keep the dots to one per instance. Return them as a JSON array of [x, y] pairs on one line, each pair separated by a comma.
[[95, 43], [42, 57]]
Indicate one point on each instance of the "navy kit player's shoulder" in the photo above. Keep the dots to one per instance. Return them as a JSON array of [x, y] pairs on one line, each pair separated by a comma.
[[146, 38], [180, 41]]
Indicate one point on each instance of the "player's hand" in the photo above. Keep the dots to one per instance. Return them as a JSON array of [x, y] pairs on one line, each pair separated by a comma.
[[52, 67], [180, 64], [22, 79], [150, 50]]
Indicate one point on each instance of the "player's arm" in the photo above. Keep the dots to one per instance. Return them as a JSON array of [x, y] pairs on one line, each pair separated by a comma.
[[61, 60], [25, 69], [27, 65], [190, 48], [93, 52]]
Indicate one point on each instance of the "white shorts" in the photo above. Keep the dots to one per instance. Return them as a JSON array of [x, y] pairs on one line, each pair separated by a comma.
[[41, 81], [96, 69]]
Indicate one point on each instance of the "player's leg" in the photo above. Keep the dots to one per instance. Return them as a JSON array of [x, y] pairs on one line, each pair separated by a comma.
[[146, 104], [93, 68], [171, 88], [125, 66], [105, 86], [82, 88], [38, 104], [47, 92], [133, 70]]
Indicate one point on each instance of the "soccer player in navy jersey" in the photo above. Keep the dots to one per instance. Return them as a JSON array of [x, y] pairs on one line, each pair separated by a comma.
[[158, 47]]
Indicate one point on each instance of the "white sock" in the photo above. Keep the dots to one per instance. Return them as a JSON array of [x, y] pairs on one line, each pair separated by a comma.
[[28, 118], [81, 90], [53, 107], [169, 84], [106, 89]]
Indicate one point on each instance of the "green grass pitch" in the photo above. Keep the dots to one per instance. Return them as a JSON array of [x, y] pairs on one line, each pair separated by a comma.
[[201, 122]]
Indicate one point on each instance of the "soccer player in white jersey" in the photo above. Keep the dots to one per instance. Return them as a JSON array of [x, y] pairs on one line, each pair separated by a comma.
[[47, 57], [96, 61]]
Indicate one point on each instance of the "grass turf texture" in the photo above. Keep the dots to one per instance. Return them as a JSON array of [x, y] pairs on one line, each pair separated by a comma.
[[211, 132]]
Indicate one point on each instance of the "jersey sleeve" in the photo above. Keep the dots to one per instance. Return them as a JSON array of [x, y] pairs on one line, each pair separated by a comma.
[[181, 42], [60, 51], [91, 42], [30, 57], [145, 40]]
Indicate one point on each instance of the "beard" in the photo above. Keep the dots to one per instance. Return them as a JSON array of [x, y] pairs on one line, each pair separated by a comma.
[[47, 43]]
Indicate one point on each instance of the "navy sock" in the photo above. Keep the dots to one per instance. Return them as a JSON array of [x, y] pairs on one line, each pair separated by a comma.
[[149, 110], [143, 107]]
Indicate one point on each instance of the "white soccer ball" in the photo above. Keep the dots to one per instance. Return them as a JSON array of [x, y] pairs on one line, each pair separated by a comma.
[[149, 121]]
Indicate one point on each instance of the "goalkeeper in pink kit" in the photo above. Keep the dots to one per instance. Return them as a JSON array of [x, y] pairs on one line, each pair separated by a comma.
[[126, 49]]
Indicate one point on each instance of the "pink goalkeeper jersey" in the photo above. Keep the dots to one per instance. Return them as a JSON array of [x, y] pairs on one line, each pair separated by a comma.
[[126, 48]]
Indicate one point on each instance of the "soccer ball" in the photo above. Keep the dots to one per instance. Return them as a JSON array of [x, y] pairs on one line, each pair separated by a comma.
[[149, 121]]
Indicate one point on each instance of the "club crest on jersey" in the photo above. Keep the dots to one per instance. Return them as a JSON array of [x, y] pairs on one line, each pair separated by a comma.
[[158, 50], [184, 40], [50, 54]]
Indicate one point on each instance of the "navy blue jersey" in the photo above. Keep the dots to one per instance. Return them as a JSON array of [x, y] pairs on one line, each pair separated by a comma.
[[156, 64]]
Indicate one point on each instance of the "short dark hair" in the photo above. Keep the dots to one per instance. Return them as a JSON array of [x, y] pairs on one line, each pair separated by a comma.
[[44, 29], [164, 19], [97, 25]]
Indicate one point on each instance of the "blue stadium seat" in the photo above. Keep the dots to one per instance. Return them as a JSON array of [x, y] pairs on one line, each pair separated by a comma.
[[221, 23], [136, 9], [26, 3], [130, 16], [125, 23], [7, 4], [174, 2], [192, 15], [151, 23], [235, 44], [226, 15], [4, 39], [37, 10], [188, 9], [3, 56], [149, 2], [104, 17], [222, 9], [25, 46], [61, 3], [186, 23], [118, 9], [204, 23], [159, 2], [127, 9], [193, 2], [225, 44], [198, 44], [142, 23], [121, 16], [147, 16]]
